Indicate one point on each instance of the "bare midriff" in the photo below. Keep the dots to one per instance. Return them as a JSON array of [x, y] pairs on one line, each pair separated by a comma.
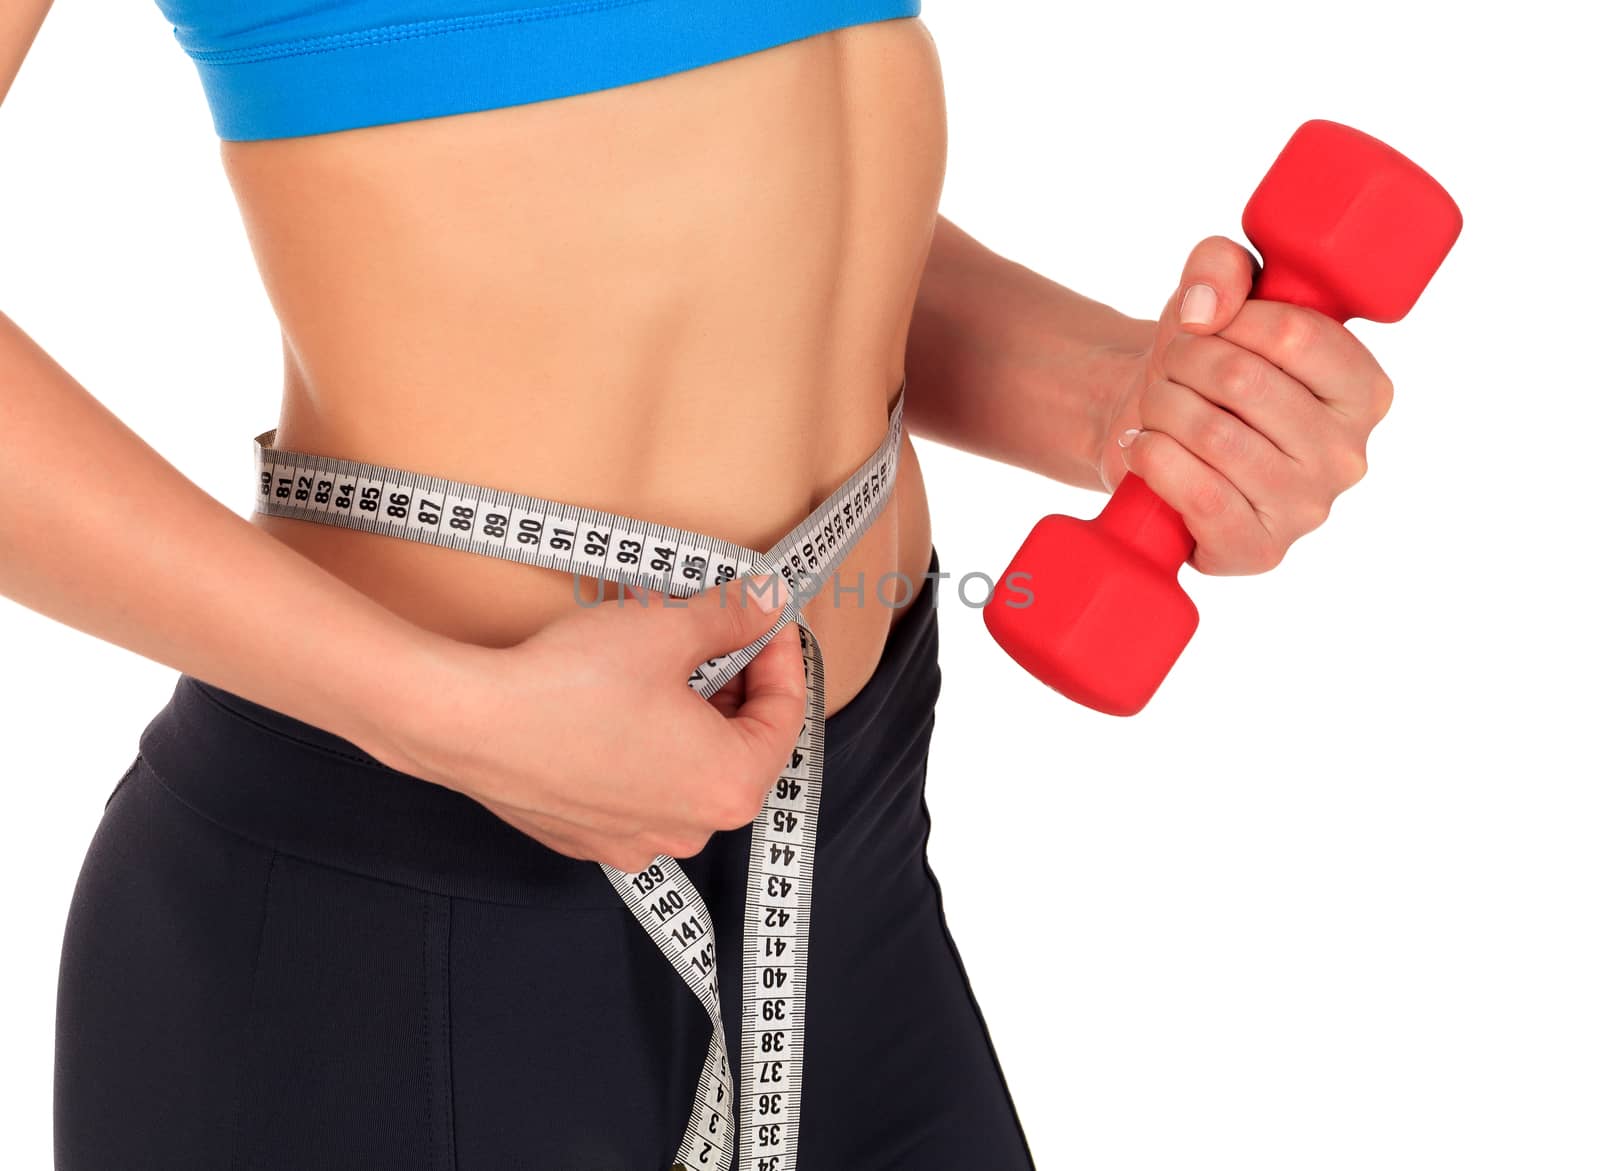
[[685, 300]]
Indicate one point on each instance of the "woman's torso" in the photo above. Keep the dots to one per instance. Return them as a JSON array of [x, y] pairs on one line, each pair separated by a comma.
[[685, 300]]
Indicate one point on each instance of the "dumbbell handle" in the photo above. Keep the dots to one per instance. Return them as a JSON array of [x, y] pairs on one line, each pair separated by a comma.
[[1144, 520]]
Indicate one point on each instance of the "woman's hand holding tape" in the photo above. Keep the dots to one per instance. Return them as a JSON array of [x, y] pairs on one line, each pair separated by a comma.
[[585, 737]]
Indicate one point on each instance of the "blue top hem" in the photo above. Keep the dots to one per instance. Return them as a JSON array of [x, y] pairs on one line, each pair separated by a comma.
[[427, 69]]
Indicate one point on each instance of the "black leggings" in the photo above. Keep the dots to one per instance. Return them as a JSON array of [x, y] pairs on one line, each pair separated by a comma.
[[282, 954]]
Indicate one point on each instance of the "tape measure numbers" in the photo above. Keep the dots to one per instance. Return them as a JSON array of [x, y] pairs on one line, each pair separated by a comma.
[[622, 549]]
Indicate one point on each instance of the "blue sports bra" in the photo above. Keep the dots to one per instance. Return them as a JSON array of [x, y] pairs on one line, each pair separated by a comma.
[[280, 68]]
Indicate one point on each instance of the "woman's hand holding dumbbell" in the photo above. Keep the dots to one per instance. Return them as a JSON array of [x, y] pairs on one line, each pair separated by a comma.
[[1247, 417]]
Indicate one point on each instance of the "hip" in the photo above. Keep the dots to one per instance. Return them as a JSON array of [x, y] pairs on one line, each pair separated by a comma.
[[283, 953]]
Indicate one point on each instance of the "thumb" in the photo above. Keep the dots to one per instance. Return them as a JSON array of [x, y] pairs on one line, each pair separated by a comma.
[[1215, 284], [774, 707], [727, 617]]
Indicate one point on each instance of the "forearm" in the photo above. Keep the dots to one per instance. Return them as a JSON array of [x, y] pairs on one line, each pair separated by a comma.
[[1008, 364], [104, 535]]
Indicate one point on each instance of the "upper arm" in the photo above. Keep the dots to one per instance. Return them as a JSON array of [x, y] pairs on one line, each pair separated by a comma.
[[19, 22]]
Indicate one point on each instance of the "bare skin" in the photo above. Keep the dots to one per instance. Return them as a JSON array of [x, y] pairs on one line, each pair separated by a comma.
[[685, 300], [691, 300]]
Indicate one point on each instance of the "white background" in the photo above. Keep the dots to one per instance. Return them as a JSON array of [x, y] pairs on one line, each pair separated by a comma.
[[1331, 900]]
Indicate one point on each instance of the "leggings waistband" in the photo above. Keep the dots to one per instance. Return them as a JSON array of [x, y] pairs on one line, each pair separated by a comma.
[[302, 790]]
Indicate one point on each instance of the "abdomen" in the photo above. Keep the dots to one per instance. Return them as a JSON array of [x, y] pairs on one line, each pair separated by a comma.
[[685, 300]]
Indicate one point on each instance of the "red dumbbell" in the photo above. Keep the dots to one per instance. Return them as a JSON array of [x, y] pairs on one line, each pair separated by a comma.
[[1345, 225]]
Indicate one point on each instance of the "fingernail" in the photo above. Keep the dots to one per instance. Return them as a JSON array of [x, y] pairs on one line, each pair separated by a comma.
[[770, 592], [1199, 305], [1125, 441]]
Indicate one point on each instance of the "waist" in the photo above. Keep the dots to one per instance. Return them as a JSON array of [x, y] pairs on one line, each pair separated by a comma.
[[496, 602], [305, 791]]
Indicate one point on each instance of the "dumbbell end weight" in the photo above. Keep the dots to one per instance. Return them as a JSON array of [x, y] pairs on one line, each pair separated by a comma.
[[1093, 608]]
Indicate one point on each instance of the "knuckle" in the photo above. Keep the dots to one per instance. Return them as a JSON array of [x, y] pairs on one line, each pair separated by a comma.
[[1294, 333], [720, 797], [1382, 395], [643, 860], [684, 845], [736, 806], [1207, 500], [1241, 377], [1221, 437], [795, 710], [1314, 512], [1350, 466], [651, 846], [1267, 555], [750, 803], [628, 859]]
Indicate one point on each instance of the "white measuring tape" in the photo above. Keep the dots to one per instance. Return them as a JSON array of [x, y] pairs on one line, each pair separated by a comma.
[[777, 913]]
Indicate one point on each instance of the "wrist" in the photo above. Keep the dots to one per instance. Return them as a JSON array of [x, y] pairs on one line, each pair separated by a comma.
[[1092, 390], [1126, 365], [413, 701]]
